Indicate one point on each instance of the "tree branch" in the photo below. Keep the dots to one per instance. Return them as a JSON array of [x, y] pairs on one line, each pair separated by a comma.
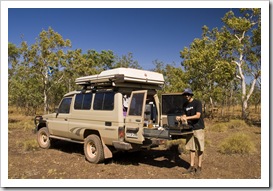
[[56, 82]]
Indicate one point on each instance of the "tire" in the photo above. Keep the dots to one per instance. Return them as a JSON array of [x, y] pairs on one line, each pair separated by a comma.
[[43, 138], [93, 149]]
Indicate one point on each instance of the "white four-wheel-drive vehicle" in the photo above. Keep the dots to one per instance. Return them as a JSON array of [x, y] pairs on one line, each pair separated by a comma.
[[115, 110]]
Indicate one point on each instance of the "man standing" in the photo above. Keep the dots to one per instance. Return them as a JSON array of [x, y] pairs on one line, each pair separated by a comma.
[[192, 114]]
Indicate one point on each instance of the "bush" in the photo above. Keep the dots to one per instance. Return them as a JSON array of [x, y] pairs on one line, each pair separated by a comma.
[[16, 120], [224, 126], [238, 143], [28, 145], [219, 127], [233, 124]]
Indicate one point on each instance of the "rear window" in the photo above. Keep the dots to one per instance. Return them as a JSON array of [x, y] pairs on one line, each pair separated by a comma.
[[136, 104]]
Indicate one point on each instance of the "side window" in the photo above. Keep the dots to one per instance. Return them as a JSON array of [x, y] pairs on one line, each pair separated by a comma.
[[65, 105], [104, 101], [136, 104], [78, 101], [83, 101]]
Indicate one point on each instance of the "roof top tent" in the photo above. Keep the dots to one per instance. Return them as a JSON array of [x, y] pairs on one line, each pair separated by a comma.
[[123, 77]]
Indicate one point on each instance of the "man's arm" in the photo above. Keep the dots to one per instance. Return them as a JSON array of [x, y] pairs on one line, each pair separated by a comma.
[[196, 116]]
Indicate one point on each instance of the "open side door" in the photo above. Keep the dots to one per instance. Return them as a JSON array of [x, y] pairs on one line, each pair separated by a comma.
[[134, 120], [157, 103]]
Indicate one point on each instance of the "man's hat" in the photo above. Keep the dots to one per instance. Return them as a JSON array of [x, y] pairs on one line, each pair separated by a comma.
[[187, 91]]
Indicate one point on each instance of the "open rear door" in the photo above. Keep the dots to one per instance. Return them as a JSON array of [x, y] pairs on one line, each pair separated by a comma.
[[134, 120]]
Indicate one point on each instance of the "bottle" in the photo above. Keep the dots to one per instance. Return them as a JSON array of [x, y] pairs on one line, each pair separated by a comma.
[[150, 124]]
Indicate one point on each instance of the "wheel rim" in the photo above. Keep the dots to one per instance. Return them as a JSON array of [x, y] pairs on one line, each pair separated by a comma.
[[91, 150], [43, 139]]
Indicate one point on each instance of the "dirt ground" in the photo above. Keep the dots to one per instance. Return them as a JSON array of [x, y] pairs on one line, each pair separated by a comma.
[[66, 161]]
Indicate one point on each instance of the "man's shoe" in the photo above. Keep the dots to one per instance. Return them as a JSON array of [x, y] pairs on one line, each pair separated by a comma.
[[198, 170], [190, 170]]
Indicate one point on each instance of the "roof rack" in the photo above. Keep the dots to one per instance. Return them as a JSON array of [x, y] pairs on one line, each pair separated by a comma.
[[124, 77]]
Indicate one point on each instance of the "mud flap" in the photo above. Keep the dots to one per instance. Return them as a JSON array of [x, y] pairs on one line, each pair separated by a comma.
[[106, 151]]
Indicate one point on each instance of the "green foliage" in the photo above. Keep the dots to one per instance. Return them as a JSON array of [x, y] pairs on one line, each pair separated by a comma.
[[215, 61], [238, 143], [126, 61], [206, 68], [174, 77], [13, 52], [30, 85]]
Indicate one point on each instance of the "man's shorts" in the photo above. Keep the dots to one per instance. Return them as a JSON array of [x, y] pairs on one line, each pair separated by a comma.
[[196, 141]]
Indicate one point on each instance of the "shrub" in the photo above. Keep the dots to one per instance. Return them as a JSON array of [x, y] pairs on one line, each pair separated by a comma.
[[233, 124], [238, 143], [29, 145], [219, 127], [224, 126], [17, 120]]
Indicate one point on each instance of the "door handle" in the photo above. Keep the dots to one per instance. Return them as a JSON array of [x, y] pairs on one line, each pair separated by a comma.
[[138, 120], [65, 119]]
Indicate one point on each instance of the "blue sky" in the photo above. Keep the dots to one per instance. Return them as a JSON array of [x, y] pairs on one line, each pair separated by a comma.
[[149, 33]]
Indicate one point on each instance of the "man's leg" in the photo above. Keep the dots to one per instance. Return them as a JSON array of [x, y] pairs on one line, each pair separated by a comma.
[[192, 155], [200, 156], [200, 149], [190, 145], [191, 169]]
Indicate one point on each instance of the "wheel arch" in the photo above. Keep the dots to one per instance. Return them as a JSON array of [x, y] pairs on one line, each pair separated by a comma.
[[41, 125], [107, 152], [88, 132]]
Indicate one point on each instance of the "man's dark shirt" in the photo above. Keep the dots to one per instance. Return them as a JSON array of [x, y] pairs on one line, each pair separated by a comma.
[[190, 109]]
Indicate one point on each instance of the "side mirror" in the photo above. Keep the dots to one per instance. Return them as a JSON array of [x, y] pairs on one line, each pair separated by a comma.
[[57, 111]]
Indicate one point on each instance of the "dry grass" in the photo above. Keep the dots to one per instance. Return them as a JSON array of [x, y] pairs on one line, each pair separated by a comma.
[[232, 124], [29, 145], [19, 120], [219, 127], [238, 143]]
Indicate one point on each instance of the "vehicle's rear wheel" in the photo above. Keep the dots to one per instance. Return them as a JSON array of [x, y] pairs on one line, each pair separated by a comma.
[[43, 138], [93, 149]]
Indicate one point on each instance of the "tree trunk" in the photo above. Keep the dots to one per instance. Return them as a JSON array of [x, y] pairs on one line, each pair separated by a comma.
[[244, 110], [45, 90]]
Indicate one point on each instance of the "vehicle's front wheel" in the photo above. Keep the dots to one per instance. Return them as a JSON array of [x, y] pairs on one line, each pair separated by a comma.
[[93, 149], [43, 138]]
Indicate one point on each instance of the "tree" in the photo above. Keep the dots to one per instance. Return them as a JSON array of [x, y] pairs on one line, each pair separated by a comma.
[[207, 69], [245, 43], [220, 56], [46, 53], [13, 53], [174, 77], [126, 61], [79, 64], [13, 56]]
